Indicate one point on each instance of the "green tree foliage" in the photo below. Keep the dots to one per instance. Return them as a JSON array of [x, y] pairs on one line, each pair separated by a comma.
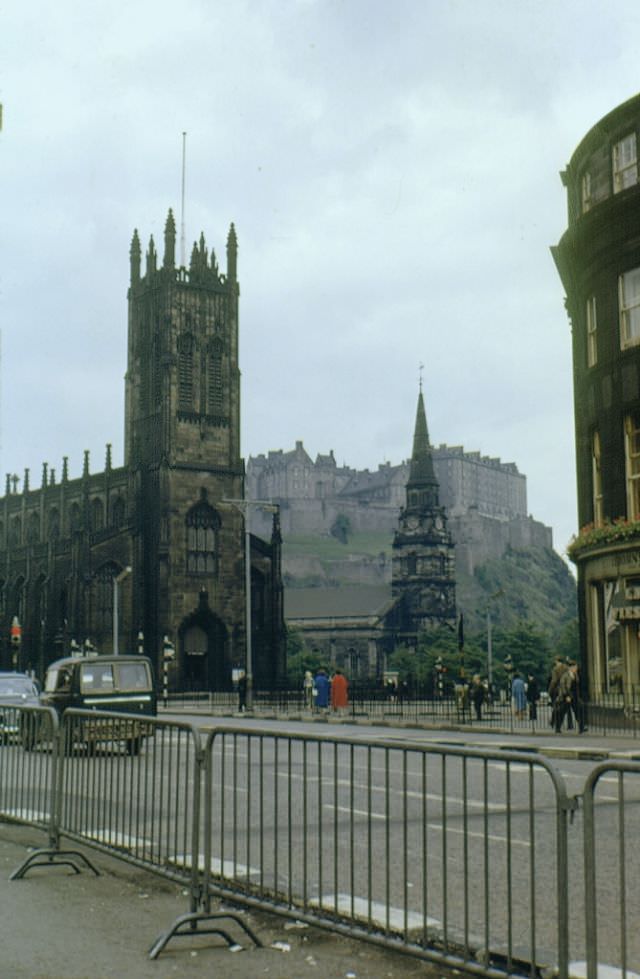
[[300, 658], [528, 646], [341, 528]]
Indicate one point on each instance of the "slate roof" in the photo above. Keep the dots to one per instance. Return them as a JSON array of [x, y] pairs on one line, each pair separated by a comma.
[[346, 602]]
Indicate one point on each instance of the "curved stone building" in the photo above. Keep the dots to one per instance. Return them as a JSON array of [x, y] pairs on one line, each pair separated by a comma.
[[598, 259]]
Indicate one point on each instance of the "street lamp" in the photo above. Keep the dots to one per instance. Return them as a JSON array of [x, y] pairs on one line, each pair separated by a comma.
[[245, 508], [116, 582]]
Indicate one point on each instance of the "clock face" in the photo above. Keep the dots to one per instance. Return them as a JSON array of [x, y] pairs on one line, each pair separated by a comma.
[[413, 523]]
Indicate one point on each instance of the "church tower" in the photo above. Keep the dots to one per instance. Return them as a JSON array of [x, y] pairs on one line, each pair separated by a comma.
[[182, 452], [423, 564]]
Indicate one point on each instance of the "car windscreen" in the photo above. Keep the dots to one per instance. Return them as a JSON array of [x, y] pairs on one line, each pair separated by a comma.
[[16, 687], [133, 676]]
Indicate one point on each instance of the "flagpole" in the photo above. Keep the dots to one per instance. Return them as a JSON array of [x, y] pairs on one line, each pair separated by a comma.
[[183, 259]]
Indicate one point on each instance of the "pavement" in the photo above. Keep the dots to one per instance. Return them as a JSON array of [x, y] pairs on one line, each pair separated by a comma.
[[589, 746], [56, 924]]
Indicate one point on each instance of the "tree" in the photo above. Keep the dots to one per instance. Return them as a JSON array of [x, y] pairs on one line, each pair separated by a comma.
[[341, 528], [300, 658]]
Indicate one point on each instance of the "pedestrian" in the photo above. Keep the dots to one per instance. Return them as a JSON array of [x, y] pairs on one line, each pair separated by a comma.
[[577, 705], [307, 689], [559, 667], [242, 691], [564, 697], [339, 691], [518, 695], [321, 689], [533, 696], [477, 695]]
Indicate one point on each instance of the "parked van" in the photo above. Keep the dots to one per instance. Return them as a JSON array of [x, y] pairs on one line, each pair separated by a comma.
[[104, 683]]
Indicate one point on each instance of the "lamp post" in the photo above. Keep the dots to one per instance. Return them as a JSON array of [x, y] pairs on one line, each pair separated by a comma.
[[245, 508], [116, 584]]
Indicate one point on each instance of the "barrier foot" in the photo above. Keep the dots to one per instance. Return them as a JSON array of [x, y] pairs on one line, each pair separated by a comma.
[[192, 921], [58, 858]]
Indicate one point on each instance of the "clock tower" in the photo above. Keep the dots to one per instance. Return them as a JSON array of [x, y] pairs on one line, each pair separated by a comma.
[[423, 565]]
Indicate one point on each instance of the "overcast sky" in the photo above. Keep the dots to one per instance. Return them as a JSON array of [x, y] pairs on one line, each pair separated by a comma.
[[392, 173]]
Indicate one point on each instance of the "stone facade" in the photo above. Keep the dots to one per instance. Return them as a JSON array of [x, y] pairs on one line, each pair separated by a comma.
[[485, 500], [598, 259], [166, 513]]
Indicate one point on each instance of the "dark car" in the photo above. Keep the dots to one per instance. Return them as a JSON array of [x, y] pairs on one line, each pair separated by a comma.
[[103, 683], [16, 690]]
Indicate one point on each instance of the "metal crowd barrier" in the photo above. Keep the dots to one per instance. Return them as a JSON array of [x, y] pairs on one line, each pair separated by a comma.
[[438, 850], [456, 855], [612, 865]]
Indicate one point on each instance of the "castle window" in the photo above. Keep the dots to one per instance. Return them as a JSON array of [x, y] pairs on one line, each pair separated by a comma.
[[586, 192], [596, 479], [185, 373], [632, 464], [202, 526], [629, 301], [592, 335], [214, 379], [625, 163]]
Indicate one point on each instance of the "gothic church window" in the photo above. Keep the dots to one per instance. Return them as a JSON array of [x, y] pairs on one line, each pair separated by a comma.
[[185, 373], [97, 514], [54, 524], [214, 379], [15, 531], [102, 598], [117, 512], [75, 519], [33, 528], [202, 527]]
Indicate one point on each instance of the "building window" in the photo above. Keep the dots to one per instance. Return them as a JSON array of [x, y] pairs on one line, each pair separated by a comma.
[[97, 514], [625, 164], [586, 192], [632, 464], [596, 479], [185, 373], [629, 300], [214, 379], [102, 598], [202, 526], [592, 335]]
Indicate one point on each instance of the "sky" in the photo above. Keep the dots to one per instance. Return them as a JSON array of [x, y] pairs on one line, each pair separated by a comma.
[[392, 171]]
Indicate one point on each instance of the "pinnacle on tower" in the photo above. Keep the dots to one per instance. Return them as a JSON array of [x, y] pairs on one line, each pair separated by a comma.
[[232, 254], [134, 254], [169, 261]]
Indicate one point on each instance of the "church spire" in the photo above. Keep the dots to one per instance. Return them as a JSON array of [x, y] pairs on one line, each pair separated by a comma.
[[422, 485]]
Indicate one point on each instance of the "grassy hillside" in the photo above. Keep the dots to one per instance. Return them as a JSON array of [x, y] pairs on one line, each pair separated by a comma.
[[533, 584]]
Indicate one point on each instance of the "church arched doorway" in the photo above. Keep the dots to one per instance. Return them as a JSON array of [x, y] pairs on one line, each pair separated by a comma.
[[203, 649]]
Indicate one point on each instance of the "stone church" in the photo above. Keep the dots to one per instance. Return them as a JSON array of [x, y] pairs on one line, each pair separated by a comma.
[[357, 627], [157, 537]]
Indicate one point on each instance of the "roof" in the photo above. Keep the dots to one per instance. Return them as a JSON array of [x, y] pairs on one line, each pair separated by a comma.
[[350, 601]]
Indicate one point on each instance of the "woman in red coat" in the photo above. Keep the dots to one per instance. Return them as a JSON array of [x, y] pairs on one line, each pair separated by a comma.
[[339, 691]]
